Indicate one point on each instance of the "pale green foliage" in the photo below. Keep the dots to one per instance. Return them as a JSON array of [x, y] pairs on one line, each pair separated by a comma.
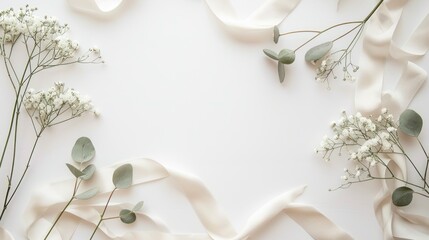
[[123, 176], [83, 150], [318, 52], [402, 196], [410, 123]]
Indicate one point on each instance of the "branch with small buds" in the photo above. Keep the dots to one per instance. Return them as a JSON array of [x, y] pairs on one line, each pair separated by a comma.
[[320, 55], [368, 141], [45, 43]]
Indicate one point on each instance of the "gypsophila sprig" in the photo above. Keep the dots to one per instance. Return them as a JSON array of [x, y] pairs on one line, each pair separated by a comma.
[[367, 141], [48, 108], [30, 44], [325, 62]]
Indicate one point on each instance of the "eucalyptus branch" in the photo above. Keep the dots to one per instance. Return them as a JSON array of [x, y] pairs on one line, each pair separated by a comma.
[[325, 30], [102, 214], [319, 55], [122, 178]]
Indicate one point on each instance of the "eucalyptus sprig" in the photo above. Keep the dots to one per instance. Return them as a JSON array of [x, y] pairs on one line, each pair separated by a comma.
[[367, 141], [30, 44], [83, 152], [321, 55], [122, 179]]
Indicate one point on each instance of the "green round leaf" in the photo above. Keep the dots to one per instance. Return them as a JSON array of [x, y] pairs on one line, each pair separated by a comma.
[[83, 150], [127, 216], [286, 56], [138, 206], [271, 54], [88, 172], [276, 32], [317, 52], [281, 70], [410, 123], [76, 172], [402, 196], [123, 176], [87, 194]]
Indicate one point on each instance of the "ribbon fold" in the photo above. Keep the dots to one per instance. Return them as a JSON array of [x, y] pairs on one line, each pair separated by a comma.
[[378, 47], [49, 201]]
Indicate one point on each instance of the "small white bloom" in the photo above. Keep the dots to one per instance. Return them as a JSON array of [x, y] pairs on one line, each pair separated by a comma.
[[358, 173]]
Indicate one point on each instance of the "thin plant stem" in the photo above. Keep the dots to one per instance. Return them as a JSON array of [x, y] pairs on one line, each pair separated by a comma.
[[10, 129], [8, 199], [425, 184], [110, 218], [300, 31], [335, 26], [325, 30], [59, 216], [102, 214], [427, 159], [75, 188], [421, 194], [373, 11]]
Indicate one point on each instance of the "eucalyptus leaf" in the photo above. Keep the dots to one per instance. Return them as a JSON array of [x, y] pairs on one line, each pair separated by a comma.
[[123, 176], [271, 54], [276, 32], [76, 172], [87, 194], [88, 172], [402, 196], [83, 150], [410, 123], [281, 69], [138, 206], [318, 52], [286, 56], [127, 216]]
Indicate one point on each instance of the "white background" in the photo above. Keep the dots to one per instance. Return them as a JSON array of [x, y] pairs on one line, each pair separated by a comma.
[[179, 88]]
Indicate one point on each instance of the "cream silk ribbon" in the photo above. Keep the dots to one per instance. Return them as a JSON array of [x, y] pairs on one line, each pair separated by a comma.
[[369, 97], [49, 201], [378, 47], [260, 23]]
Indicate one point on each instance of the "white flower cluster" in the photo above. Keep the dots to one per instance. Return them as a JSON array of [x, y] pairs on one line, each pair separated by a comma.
[[364, 139], [46, 107], [326, 67], [43, 30]]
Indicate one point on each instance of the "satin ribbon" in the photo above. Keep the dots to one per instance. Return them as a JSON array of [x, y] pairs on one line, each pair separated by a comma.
[[369, 97], [95, 6], [47, 203], [378, 47], [259, 24]]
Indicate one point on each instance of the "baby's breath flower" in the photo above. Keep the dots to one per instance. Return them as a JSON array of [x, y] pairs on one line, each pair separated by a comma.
[[363, 139], [49, 107], [46, 32], [44, 43]]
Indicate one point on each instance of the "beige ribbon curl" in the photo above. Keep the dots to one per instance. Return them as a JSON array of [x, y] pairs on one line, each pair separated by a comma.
[[378, 47], [260, 23], [47, 202]]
